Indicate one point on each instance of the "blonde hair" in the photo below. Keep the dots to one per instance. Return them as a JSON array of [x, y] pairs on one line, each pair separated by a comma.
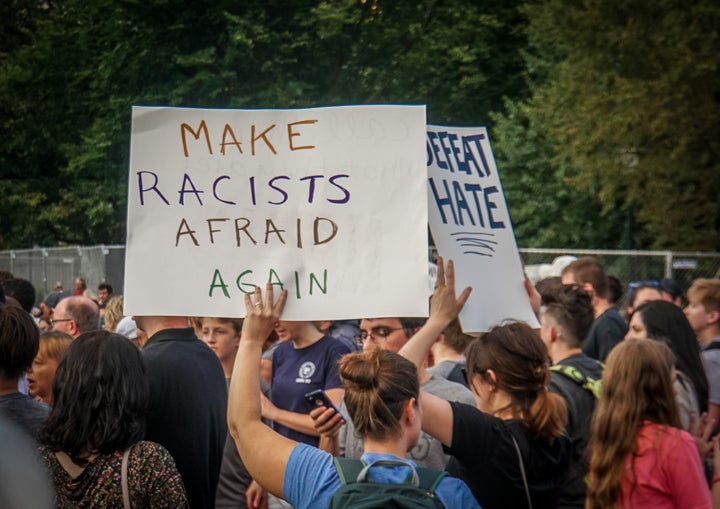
[[53, 344], [706, 292], [378, 385], [637, 386], [113, 313]]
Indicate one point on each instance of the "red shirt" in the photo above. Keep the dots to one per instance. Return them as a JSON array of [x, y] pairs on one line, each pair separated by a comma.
[[666, 471]]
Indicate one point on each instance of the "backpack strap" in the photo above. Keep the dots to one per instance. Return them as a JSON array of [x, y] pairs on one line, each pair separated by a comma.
[[348, 469], [352, 471], [714, 345], [430, 478], [592, 385]]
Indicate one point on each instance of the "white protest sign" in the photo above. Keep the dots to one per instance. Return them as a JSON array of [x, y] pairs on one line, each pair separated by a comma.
[[470, 224], [328, 203]]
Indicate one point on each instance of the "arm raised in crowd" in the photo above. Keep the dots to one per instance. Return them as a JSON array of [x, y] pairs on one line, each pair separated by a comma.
[[252, 437], [444, 308]]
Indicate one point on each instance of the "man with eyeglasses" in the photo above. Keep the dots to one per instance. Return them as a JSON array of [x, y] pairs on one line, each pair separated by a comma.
[[75, 315], [391, 334]]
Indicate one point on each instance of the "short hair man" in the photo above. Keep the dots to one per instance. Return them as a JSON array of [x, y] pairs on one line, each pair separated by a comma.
[[448, 354], [565, 319], [75, 315], [608, 328], [19, 343], [188, 403], [392, 334], [105, 293], [703, 313], [671, 291]]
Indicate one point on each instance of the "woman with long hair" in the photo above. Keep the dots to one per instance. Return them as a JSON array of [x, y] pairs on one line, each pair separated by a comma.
[[96, 425], [381, 395], [511, 450], [664, 321], [640, 458]]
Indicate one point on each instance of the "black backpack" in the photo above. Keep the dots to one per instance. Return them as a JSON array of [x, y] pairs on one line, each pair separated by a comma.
[[360, 492]]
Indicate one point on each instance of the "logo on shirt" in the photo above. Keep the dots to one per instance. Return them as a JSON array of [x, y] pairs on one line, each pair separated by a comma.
[[305, 372]]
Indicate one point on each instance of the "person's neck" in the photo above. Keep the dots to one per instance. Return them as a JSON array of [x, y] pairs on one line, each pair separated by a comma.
[[158, 323], [308, 335], [227, 365], [502, 406], [442, 353], [394, 446], [601, 305], [8, 386], [560, 352], [708, 334]]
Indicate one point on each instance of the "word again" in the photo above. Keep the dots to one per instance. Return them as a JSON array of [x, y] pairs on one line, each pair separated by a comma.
[[244, 283], [478, 210], [457, 153]]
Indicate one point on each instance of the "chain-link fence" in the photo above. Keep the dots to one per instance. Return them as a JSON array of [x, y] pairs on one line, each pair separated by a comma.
[[629, 266], [44, 267], [96, 264]]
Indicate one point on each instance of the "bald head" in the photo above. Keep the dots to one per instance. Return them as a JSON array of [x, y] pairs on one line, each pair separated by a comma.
[[75, 315]]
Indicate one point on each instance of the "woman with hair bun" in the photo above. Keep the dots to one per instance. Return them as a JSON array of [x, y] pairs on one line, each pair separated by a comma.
[[381, 394], [639, 456], [511, 450], [95, 429]]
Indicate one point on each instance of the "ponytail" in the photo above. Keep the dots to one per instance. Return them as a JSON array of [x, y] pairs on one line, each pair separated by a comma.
[[520, 360], [547, 415]]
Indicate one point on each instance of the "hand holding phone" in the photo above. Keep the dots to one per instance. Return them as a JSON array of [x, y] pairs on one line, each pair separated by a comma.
[[318, 398]]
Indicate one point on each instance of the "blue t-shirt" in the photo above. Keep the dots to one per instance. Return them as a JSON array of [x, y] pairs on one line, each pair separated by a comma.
[[311, 479], [297, 371]]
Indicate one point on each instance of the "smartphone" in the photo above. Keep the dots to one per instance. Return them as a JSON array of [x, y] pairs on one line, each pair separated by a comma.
[[318, 398]]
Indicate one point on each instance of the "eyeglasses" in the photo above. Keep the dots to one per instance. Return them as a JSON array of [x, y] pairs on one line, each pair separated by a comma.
[[635, 286], [53, 321], [378, 334]]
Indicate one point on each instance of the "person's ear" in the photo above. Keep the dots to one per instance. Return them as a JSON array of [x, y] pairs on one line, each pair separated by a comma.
[[589, 289], [553, 334], [491, 378], [74, 328], [410, 411], [714, 316]]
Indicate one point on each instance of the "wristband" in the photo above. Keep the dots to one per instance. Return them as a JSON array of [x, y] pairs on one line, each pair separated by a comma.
[[714, 480]]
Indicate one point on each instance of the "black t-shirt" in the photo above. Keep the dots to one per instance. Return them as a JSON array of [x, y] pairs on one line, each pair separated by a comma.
[[606, 331], [485, 457], [580, 405], [187, 410]]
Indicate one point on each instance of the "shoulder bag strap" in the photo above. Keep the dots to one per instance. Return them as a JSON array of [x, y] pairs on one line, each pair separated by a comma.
[[124, 478], [522, 471]]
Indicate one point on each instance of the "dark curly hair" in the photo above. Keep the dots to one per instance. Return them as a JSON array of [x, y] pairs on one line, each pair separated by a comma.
[[100, 395]]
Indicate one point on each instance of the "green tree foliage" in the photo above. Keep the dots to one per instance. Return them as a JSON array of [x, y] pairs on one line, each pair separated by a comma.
[[629, 95], [69, 78], [545, 210]]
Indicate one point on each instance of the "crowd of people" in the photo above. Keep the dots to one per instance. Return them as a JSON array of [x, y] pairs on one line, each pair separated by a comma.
[[601, 407]]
